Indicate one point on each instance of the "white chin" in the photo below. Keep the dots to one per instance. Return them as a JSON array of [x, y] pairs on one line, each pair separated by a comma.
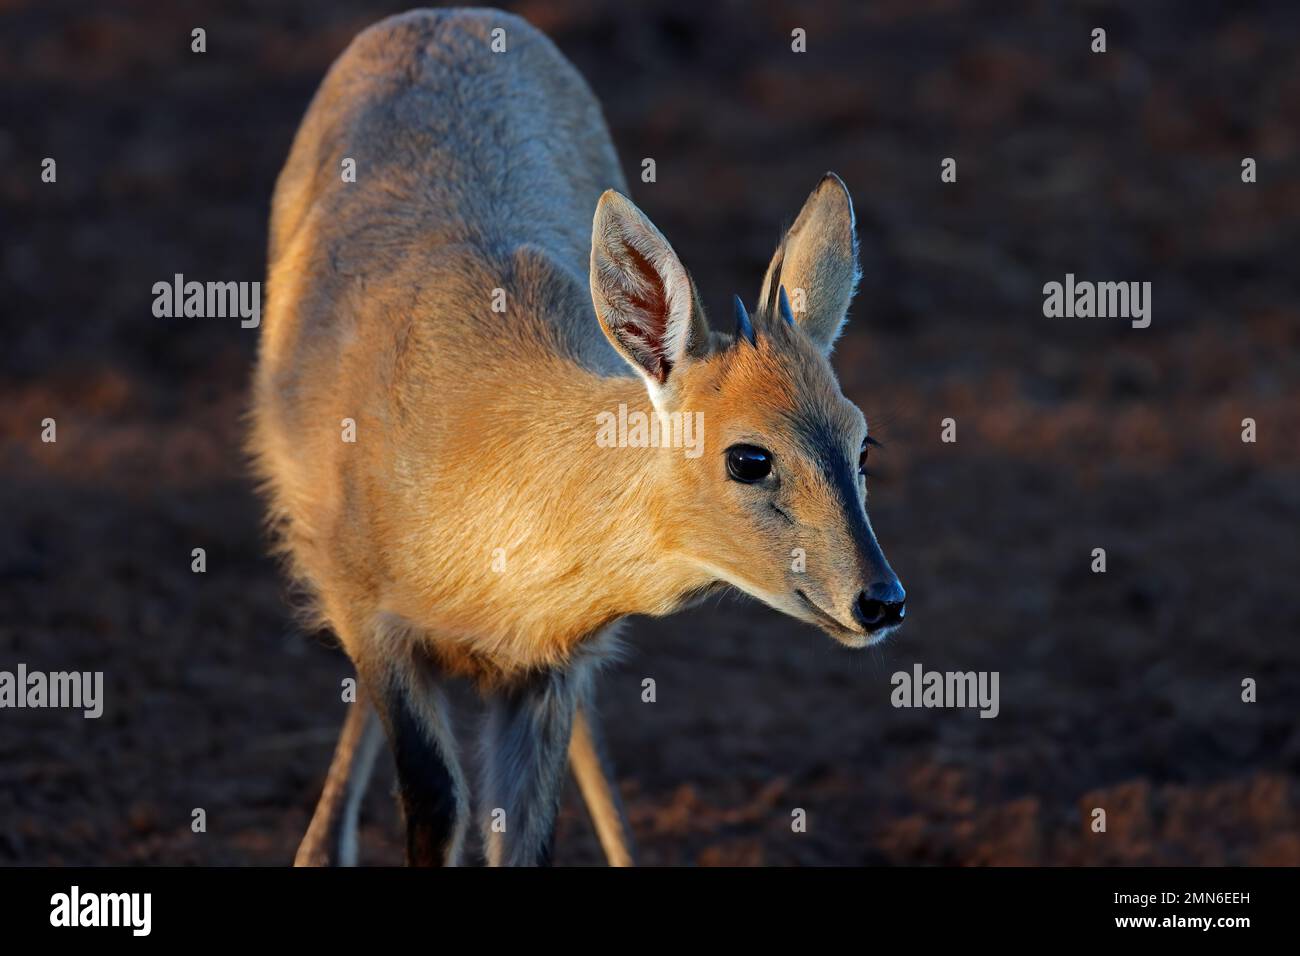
[[858, 640], [880, 636]]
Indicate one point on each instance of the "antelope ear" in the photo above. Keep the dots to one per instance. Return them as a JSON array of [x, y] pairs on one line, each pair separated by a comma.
[[817, 263], [645, 301]]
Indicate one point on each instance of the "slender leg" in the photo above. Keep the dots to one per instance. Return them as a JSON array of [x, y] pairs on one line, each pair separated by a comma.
[[432, 788], [372, 743], [525, 742], [594, 774], [331, 838]]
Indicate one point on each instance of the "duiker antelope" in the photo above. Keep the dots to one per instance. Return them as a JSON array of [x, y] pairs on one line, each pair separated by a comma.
[[456, 312]]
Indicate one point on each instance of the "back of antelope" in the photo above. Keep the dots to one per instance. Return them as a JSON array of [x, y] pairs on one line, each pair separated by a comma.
[[447, 343]]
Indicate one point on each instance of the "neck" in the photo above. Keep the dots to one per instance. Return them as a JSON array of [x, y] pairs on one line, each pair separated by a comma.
[[618, 455]]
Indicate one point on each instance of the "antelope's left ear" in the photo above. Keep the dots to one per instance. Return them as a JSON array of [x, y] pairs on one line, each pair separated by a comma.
[[817, 262]]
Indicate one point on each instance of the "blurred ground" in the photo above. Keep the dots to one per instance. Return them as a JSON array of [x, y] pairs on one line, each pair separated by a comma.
[[1118, 690]]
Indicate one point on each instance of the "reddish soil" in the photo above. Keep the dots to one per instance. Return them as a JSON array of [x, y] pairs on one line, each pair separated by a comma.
[[1119, 690]]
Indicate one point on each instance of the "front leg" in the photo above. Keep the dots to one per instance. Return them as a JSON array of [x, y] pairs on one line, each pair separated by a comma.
[[414, 712], [591, 769], [525, 744], [331, 839]]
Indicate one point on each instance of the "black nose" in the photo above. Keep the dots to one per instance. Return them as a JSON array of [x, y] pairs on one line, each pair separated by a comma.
[[883, 604]]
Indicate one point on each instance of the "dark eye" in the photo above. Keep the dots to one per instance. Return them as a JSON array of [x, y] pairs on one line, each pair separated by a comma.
[[748, 463], [862, 458]]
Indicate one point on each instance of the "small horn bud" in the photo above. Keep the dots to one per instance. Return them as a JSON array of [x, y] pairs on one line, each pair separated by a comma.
[[744, 327], [784, 305]]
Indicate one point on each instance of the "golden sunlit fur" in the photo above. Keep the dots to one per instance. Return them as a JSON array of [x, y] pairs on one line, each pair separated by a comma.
[[475, 518]]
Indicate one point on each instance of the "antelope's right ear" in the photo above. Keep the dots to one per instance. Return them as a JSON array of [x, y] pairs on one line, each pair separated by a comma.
[[644, 298]]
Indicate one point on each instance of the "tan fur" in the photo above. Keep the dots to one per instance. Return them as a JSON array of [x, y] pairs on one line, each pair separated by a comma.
[[476, 430], [379, 311]]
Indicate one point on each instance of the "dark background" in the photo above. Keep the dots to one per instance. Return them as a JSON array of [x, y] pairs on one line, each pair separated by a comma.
[[1119, 690]]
